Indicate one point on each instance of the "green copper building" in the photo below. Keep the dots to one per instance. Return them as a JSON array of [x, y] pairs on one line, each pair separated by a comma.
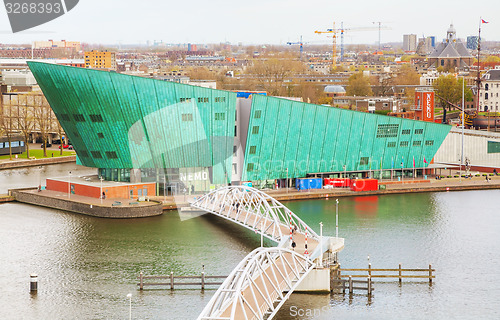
[[134, 128]]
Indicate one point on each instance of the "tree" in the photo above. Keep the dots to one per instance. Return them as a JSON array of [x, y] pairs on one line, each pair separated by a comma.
[[407, 76], [6, 122], [358, 85], [271, 73], [26, 119], [43, 116], [449, 91]]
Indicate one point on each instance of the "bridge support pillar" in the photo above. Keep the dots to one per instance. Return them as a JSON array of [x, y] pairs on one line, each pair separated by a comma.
[[318, 281]]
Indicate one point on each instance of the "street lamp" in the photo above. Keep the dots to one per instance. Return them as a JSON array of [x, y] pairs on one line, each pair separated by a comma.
[[69, 186], [100, 195], [286, 180], [321, 244], [129, 296], [336, 218]]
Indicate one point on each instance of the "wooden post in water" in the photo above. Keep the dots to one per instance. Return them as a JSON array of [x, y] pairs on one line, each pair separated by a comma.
[[400, 273], [369, 286], [350, 285], [171, 281], [140, 281], [369, 269], [430, 274], [203, 281]]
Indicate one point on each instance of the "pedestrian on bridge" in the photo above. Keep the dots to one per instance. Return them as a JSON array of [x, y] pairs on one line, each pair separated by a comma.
[[293, 245]]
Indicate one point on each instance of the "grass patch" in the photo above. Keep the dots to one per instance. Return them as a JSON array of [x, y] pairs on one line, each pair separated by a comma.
[[38, 154]]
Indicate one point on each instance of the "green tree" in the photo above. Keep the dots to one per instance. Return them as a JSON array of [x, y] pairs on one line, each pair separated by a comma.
[[448, 91], [358, 85]]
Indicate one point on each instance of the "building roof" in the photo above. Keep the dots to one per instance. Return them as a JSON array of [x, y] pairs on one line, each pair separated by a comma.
[[334, 89], [492, 75]]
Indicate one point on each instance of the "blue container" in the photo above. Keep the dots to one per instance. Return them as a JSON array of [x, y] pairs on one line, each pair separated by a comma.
[[309, 183]]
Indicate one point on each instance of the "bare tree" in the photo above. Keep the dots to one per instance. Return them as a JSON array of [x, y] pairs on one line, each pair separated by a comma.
[[43, 118], [6, 122], [60, 132], [26, 119]]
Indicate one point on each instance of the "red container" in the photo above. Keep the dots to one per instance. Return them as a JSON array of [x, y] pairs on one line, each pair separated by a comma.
[[337, 182], [364, 185]]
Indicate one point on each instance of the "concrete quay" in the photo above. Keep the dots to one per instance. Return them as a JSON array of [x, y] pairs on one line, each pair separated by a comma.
[[392, 187], [23, 163], [105, 208]]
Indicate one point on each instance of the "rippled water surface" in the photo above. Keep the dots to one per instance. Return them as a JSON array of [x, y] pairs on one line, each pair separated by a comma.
[[87, 266]]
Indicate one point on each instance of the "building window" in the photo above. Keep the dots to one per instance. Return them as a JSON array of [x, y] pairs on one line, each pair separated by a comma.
[[187, 117], [257, 114], [83, 154], [429, 142], [405, 131], [419, 131], [403, 144], [417, 143], [364, 161], [65, 117], [486, 87], [111, 155], [185, 99], [391, 144], [96, 118], [387, 130], [486, 96], [250, 167], [96, 154], [79, 117], [252, 150], [493, 147], [100, 135], [255, 130], [235, 168], [202, 100], [220, 116], [220, 99]]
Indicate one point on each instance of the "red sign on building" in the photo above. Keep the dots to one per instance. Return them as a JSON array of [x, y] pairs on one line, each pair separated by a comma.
[[424, 105]]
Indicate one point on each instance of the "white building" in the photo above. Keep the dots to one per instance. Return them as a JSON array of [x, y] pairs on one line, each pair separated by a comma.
[[490, 89], [410, 42]]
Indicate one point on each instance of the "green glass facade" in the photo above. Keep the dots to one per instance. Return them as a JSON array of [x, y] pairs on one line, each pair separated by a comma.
[[306, 138], [121, 121], [118, 122]]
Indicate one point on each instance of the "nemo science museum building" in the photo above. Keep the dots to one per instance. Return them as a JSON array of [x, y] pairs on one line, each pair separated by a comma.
[[135, 129]]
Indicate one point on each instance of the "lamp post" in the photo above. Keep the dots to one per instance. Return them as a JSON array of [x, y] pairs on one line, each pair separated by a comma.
[[100, 196], [286, 180], [69, 186], [336, 218], [321, 244], [129, 296]]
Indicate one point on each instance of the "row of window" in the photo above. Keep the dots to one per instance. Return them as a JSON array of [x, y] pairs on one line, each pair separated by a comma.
[[81, 118], [417, 143], [204, 99], [98, 155], [13, 144], [219, 116]]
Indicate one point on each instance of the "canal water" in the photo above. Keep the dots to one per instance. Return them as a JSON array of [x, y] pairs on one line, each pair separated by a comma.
[[87, 266]]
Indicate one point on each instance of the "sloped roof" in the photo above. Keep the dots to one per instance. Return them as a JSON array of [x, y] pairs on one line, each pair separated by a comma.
[[462, 50], [449, 52], [438, 50], [492, 75]]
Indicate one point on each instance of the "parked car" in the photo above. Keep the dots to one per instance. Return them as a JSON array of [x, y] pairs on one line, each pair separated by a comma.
[[65, 146], [48, 145]]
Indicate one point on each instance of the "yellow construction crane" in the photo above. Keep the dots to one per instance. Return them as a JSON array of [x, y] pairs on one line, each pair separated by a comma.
[[333, 32], [342, 30]]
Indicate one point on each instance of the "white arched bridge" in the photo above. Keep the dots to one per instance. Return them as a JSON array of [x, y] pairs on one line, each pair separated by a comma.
[[264, 279]]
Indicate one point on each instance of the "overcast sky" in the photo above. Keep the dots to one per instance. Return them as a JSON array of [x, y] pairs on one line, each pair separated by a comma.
[[258, 21]]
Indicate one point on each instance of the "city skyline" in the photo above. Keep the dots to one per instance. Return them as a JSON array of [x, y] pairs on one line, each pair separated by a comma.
[[262, 22]]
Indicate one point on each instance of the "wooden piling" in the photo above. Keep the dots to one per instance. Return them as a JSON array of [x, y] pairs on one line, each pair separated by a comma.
[[430, 274], [171, 281], [141, 283], [400, 273], [369, 286], [350, 285], [369, 269], [203, 281]]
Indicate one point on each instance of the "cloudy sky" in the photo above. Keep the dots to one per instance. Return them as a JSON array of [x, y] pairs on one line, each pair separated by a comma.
[[258, 21]]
